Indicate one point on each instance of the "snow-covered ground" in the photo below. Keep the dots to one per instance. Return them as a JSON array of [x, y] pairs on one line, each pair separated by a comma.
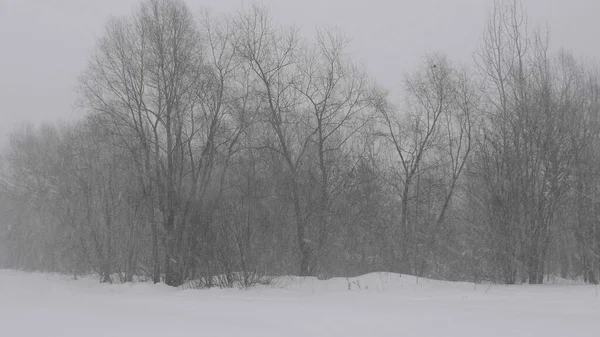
[[375, 305]]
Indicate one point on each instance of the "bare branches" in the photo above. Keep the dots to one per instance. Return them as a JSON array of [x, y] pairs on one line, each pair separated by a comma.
[[219, 148]]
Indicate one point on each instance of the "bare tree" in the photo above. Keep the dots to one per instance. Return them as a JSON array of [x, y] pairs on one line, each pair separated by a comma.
[[436, 131], [273, 56], [159, 90], [338, 98]]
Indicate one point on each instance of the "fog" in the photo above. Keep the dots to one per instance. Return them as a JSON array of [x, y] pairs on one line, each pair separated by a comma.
[[45, 44]]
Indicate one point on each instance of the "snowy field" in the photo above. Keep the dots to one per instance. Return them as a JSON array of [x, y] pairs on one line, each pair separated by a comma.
[[375, 305]]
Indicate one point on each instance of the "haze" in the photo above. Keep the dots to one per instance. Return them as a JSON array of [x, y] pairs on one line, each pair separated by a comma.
[[45, 44], [240, 179]]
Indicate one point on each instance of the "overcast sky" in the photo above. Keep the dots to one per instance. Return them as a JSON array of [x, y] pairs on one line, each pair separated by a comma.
[[45, 44]]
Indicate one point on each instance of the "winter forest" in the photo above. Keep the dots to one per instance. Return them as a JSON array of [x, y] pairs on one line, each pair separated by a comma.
[[228, 149]]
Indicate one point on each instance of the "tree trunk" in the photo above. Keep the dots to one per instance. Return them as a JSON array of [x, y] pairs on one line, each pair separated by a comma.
[[155, 256]]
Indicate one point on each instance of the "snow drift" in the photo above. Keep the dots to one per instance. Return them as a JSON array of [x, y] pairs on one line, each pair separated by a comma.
[[371, 305]]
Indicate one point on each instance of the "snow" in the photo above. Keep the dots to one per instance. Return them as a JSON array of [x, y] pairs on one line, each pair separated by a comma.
[[376, 305]]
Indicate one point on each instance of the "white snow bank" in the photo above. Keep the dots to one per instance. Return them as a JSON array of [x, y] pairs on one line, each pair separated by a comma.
[[376, 305]]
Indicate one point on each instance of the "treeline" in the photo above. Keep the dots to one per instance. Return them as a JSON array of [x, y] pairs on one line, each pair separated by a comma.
[[225, 149]]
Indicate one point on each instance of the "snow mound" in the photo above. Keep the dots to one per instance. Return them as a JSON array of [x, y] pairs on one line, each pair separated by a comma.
[[373, 281], [379, 304]]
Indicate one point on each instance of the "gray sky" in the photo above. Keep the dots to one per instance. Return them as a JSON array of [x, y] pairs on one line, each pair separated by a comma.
[[44, 44]]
